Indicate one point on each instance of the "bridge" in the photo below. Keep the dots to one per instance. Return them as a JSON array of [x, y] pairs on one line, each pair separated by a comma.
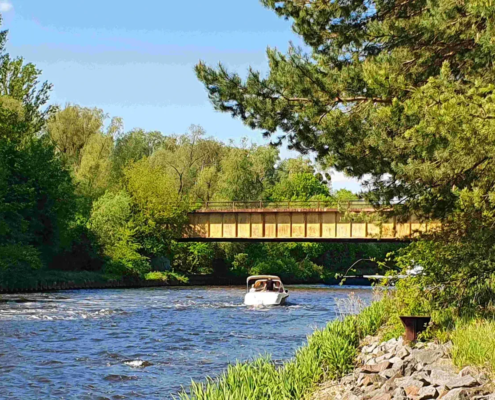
[[310, 221]]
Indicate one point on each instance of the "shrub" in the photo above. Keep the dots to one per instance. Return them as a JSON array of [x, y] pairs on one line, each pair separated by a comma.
[[169, 277], [17, 263]]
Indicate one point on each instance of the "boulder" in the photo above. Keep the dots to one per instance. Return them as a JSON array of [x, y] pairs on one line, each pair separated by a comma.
[[376, 368], [408, 382], [427, 392], [468, 371], [391, 372], [456, 394], [451, 381], [404, 352], [427, 356], [372, 379], [382, 396], [385, 357]]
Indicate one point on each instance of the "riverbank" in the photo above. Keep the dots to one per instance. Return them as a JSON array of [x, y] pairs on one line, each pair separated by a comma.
[[363, 357], [396, 370], [328, 354], [62, 280]]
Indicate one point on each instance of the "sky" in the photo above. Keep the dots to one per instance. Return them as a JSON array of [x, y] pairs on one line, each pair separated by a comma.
[[135, 59]]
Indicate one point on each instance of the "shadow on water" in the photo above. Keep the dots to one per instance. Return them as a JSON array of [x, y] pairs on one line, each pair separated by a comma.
[[129, 343]]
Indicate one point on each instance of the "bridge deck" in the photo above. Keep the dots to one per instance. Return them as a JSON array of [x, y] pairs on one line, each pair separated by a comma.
[[297, 225]]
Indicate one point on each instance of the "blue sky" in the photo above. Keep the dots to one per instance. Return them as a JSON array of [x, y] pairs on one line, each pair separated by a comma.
[[135, 59]]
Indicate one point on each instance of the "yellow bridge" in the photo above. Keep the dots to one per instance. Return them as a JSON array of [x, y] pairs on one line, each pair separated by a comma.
[[297, 222]]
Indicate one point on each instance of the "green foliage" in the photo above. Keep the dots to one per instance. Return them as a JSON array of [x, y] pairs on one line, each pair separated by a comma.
[[329, 353], [111, 221], [299, 186], [132, 147], [17, 261], [403, 95], [193, 258], [20, 81], [459, 269], [168, 277], [247, 173], [36, 195]]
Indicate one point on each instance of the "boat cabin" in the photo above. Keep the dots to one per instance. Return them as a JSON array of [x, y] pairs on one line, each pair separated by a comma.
[[264, 283]]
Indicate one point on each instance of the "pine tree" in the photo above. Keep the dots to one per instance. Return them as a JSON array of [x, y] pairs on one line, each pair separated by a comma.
[[398, 91]]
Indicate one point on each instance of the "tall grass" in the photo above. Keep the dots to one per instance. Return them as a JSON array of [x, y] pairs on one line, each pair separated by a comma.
[[329, 353], [474, 344]]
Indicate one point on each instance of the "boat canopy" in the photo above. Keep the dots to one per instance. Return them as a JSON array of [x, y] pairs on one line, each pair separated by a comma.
[[256, 277]]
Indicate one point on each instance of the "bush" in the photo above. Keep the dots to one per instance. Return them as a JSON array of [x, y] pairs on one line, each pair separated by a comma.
[[193, 258], [169, 277], [17, 262]]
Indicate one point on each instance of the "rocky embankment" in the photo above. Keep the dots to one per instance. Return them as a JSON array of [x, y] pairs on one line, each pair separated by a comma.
[[394, 370]]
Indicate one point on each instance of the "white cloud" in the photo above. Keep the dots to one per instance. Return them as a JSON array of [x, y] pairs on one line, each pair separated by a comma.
[[5, 6]]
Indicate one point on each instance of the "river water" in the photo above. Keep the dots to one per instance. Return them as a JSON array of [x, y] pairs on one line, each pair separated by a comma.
[[147, 343]]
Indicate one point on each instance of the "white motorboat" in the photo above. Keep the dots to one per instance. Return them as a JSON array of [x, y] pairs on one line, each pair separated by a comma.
[[265, 290]]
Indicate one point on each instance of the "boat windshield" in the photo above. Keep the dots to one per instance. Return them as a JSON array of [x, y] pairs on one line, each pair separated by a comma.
[[265, 285]]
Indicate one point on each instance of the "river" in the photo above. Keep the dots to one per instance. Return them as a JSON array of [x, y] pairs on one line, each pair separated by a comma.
[[147, 343]]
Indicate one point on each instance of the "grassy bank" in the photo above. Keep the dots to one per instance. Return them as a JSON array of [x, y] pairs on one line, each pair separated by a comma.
[[474, 344], [329, 353]]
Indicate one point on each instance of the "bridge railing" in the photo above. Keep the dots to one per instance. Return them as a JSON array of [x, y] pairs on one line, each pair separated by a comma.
[[281, 205]]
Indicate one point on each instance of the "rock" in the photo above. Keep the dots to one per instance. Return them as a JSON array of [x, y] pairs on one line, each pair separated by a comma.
[[427, 392], [371, 395], [442, 378], [409, 382], [442, 391], [350, 396], [427, 356], [404, 352], [376, 367], [347, 380], [422, 377], [376, 350], [360, 378], [397, 363], [468, 371], [456, 394], [383, 396], [419, 345], [372, 379], [391, 372], [385, 357], [443, 364], [409, 369], [370, 348], [391, 345], [412, 391]]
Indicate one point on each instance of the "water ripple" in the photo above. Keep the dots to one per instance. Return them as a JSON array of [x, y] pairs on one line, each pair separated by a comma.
[[146, 343]]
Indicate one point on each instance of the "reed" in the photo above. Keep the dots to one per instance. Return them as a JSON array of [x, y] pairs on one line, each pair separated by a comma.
[[329, 353], [474, 344]]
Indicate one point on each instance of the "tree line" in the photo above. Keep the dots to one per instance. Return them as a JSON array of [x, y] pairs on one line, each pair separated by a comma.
[[79, 193]]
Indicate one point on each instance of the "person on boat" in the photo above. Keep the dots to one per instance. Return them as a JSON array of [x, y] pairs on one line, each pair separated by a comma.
[[259, 286], [269, 285]]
